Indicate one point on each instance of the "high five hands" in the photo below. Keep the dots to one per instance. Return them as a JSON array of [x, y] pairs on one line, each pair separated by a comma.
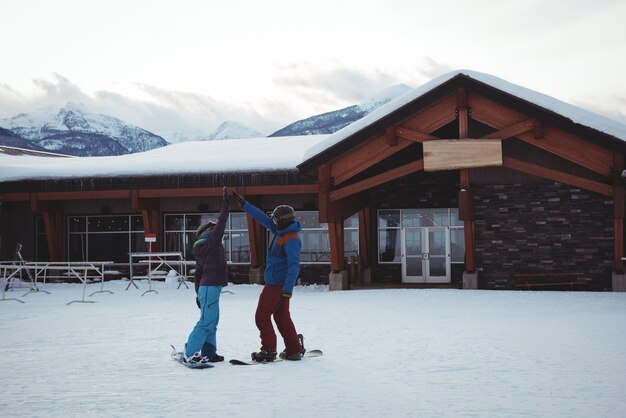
[[240, 199]]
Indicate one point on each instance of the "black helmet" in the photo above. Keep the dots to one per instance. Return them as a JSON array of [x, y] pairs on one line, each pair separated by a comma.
[[283, 216]]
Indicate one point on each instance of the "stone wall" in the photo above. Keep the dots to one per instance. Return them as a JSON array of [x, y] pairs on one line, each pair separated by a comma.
[[542, 228]]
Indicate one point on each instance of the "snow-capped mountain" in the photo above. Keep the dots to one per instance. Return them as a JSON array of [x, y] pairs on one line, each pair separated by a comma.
[[11, 139], [75, 131], [233, 130], [330, 122]]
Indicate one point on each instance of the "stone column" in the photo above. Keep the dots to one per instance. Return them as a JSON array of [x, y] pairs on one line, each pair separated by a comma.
[[255, 275], [619, 282], [338, 280], [470, 280]]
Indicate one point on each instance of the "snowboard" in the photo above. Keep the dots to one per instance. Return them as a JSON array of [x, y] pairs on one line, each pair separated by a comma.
[[237, 362], [178, 356]]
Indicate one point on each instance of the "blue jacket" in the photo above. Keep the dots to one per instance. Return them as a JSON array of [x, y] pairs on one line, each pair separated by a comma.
[[211, 267], [283, 256]]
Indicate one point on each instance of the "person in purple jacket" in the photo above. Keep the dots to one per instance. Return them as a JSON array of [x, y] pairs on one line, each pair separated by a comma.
[[281, 272], [211, 275]]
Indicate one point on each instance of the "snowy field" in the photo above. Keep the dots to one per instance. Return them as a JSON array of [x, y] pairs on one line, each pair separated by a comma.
[[387, 353]]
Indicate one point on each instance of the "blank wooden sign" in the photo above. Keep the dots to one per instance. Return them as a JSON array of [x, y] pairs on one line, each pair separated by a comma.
[[452, 154]]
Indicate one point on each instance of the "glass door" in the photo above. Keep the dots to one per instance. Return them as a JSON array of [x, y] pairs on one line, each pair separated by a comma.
[[425, 255], [412, 255], [438, 255]]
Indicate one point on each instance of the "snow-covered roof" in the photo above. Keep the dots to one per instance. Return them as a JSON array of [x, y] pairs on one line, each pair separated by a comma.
[[574, 113], [198, 157]]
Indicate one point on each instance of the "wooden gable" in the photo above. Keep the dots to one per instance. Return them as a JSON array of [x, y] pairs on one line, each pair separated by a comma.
[[457, 102]]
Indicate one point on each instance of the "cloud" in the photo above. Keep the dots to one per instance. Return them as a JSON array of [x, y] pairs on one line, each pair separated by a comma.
[[50, 93], [332, 88], [432, 68], [160, 111]]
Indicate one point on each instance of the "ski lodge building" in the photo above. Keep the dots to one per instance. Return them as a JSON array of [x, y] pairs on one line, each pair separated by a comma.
[[467, 182]]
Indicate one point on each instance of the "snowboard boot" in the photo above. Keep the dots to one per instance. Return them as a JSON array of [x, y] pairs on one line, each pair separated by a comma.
[[216, 358], [264, 356], [196, 358], [294, 356], [209, 351]]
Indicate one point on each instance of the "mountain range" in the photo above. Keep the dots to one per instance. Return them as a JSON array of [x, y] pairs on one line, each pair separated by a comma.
[[73, 130]]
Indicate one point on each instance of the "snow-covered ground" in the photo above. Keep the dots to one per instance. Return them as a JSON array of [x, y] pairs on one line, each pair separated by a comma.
[[387, 353]]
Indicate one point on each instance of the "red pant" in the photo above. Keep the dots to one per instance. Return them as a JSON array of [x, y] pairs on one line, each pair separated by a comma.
[[270, 303]]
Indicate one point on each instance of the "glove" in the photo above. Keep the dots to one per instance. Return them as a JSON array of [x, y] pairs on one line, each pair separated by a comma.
[[225, 194], [285, 295], [240, 199], [198, 302]]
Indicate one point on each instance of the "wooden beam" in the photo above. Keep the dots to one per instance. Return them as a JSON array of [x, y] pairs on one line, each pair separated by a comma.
[[377, 180], [160, 193], [243, 190], [376, 149], [390, 136], [537, 129], [86, 195], [555, 175], [412, 135], [513, 130], [15, 197], [556, 141], [462, 111]]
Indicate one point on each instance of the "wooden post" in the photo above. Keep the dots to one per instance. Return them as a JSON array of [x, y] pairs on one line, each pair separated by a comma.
[[52, 212], [150, 209], [53, 222], [618, 223], [335, 232], [323, 196], [365, 234], [468, 224], [257, 249]]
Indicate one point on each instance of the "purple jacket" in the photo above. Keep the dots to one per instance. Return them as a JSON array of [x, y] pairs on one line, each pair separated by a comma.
[[211, 268]]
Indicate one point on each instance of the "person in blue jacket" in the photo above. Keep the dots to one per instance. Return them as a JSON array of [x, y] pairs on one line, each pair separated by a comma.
[[281, 272], [210, 276]]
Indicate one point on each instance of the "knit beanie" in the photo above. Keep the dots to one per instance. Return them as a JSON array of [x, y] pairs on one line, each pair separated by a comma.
[[205, 227]]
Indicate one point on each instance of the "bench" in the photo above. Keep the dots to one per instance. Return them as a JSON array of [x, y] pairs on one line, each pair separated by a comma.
[[533, 280]]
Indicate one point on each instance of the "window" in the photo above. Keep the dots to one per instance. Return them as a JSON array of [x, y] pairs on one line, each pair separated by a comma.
[[389, 236], [391, 221], [104, 237], [316, 242], [314, 238], [180, 234]]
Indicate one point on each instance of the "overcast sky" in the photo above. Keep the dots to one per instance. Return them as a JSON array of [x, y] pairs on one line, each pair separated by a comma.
[[189, 65]]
